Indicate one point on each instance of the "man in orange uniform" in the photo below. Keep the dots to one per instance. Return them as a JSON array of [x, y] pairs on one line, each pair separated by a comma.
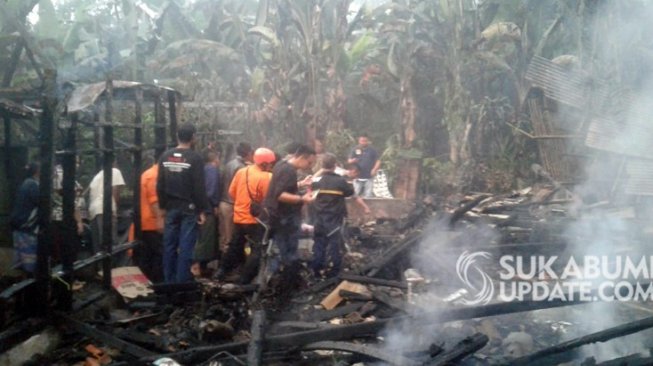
[[149, 255], [249, 184]]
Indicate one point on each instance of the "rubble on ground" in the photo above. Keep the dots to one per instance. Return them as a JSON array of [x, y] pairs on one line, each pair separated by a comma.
[[386, 306]]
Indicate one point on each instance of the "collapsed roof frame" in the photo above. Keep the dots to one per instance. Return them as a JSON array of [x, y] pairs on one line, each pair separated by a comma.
[[76, 107]]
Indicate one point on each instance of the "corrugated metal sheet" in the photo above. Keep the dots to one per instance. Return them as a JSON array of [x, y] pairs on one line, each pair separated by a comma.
[[638, 177], [558, 83], [86, 95], [571, 87], [633, 139]]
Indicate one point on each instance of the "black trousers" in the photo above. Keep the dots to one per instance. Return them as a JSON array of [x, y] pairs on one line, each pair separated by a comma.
[[149, 256], [244, 233]]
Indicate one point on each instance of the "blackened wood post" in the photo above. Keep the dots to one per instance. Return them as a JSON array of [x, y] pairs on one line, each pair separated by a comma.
[[255, 349], [160, 144], [107, 166], [6, 82], [70, 238], [9, 171], [97, 140], [138, 162], [39, 304], [172, 107]]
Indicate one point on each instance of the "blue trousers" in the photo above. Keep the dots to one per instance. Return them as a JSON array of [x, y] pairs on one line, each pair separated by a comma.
[[179, 237], [285, 236]]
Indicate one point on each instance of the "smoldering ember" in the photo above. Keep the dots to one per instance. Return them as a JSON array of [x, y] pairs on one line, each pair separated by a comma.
[[313, 182]]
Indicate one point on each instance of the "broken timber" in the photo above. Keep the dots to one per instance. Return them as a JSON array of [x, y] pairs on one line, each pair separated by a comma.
[[395, 251], [300, 338], [372, 281], [463, 349], [363, 349], [255, 349], [602, 336], [105, 337]]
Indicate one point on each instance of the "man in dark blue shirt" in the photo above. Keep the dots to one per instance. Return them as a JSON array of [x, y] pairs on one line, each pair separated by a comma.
[[368, 161]]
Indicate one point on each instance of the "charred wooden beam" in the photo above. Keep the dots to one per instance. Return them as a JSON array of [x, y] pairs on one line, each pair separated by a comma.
[[58, 271], [321, 315], [47, 125], [138, 163], [461, 211], [320, 286], [363, 350], [300, 325], [107, 199], [354, 296], [395, 251], [172, 109], [91, 299], [370, 328], [160, 142], [372, 280], [68, 249], [112, 341], [602, 336], [463, 349], [386, 300], [255, 349], [631, 360], [8, 159]]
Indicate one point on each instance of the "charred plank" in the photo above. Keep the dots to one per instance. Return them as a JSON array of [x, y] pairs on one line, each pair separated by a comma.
[[460, 212], [364, 350], [601, 336], [255, 349], [392, 254], [321, 315], [109, 339], [463, 349], [372, 281], [368, 328]]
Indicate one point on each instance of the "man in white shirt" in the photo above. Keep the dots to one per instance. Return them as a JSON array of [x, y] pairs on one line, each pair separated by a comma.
[[96, 196]]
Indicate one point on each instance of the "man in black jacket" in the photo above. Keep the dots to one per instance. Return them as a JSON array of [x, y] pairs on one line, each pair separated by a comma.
[[330, 191], [182, 197]]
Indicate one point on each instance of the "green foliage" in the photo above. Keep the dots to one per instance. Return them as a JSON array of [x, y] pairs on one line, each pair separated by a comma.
[[436, 176], [298, 65], [340, 143]]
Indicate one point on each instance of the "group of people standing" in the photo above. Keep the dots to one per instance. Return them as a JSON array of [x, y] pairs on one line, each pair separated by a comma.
[[193, 212]]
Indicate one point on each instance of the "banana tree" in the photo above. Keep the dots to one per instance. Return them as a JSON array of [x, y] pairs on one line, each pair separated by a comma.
[[300, 79]]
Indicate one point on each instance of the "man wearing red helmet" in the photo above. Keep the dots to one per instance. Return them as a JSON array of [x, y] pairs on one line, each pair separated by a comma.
[[249, 184]]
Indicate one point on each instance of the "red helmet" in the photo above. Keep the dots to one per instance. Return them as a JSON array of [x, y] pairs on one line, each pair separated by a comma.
[[264, 155]]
